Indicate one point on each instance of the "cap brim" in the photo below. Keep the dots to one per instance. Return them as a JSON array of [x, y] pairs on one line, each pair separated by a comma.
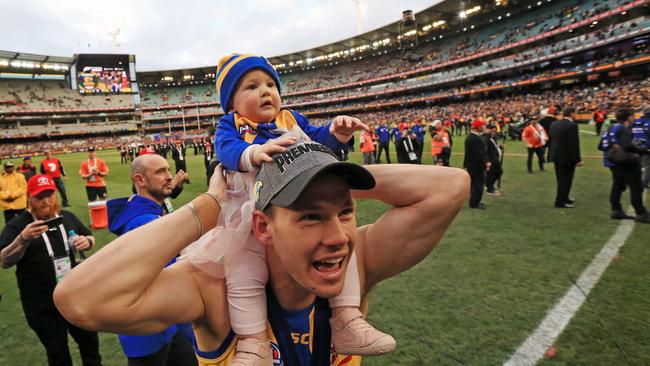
[[36, 192], [356, 176]]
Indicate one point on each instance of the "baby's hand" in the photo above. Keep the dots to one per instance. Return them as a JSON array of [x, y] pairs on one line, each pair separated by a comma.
[[343, 127], [262, 153]]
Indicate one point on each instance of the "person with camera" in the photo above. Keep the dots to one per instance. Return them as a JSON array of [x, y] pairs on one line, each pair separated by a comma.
[[621, 156], [42, 246], [93, 170], [406, 147], [440, 143]]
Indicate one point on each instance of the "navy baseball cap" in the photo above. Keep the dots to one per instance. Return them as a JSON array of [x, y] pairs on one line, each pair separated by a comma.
[[283, 180]]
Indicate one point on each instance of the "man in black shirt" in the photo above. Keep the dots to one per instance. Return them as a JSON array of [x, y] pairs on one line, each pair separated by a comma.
[[494, 157], [476, 162], [179, 156], [27, 169], [565, 154], [406, 148], [43, 254]]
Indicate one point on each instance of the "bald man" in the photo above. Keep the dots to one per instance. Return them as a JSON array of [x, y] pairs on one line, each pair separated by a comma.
[[152, 180]]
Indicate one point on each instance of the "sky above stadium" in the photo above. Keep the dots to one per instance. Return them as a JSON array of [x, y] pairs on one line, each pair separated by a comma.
[[179, 34]]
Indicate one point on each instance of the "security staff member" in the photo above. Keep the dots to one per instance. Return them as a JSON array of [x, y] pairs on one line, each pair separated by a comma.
[[419, 130], [43, 255], [476, 162], [641, 134], [384, 138], [624, 174], [13, 200]]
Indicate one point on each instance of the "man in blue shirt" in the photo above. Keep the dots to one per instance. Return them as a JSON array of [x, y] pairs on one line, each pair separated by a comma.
[[641, 134], [152, 179], [419, 130], [624, 174], [384, 138]]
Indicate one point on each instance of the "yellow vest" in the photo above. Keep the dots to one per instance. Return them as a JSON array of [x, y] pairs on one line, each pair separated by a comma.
[[13, 185]]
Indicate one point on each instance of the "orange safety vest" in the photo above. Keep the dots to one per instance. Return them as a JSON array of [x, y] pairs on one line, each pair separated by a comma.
[[436, 146], [367, 144]]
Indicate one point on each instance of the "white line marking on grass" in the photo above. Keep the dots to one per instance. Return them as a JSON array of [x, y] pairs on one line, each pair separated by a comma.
[[588, 132], [534, 347]]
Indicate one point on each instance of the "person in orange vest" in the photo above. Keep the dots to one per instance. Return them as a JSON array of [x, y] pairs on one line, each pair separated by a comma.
[[535, 139], [367, 146], [600, 116], [440, 143], [93, 171], [53, 168]]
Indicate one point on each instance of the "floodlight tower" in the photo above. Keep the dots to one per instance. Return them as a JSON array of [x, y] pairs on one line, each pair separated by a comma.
[[114, 35], [359, 17]]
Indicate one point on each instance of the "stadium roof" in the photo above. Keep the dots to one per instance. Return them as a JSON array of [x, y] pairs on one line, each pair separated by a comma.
[[446, 10], [19, 56]]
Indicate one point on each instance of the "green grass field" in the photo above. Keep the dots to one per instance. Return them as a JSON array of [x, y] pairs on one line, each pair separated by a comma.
[[479, 294]]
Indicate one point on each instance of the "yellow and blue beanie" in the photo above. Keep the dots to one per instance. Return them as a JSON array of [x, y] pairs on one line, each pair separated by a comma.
[[232, 67]]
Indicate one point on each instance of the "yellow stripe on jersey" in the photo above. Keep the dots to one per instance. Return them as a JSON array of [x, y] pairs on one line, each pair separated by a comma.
[[285, 119]]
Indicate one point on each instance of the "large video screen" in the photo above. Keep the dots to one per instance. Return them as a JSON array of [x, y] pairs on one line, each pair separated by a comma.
[[103, 74]]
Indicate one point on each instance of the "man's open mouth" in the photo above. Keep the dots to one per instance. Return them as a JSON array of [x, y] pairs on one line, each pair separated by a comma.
[[329, 265]]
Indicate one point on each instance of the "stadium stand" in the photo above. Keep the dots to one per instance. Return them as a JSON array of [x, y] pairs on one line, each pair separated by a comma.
[[587, 46]]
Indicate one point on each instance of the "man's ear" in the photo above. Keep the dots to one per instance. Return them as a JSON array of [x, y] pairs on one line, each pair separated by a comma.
[[262, 227], [138, 180]]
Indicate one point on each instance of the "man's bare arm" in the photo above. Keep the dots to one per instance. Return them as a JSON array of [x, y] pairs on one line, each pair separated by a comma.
[[426, 199], [123, 288], [13, 253]]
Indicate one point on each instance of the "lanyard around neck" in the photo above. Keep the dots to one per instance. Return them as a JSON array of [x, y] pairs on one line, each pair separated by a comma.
[[48, 244]]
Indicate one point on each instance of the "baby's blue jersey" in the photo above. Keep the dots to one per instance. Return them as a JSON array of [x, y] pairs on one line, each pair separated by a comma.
[[235, 133]]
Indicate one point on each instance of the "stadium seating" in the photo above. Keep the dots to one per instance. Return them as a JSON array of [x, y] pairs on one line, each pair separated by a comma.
[[28, 95], [464, 65]]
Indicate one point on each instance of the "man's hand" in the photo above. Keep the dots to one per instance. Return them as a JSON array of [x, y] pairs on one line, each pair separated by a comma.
[[262, 153], [488, 165], [579, 163], [180, 178], [34, 230], [343, 127], [82, 243]]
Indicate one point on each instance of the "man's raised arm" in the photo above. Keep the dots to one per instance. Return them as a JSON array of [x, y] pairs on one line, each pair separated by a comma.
[[425, 200], [123, 288]]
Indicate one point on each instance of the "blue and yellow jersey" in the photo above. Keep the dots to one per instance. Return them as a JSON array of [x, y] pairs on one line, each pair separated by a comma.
[[235, 133], [301, 324]]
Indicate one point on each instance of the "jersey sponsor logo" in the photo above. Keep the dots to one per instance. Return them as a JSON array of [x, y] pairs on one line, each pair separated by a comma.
[[246, 129]]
